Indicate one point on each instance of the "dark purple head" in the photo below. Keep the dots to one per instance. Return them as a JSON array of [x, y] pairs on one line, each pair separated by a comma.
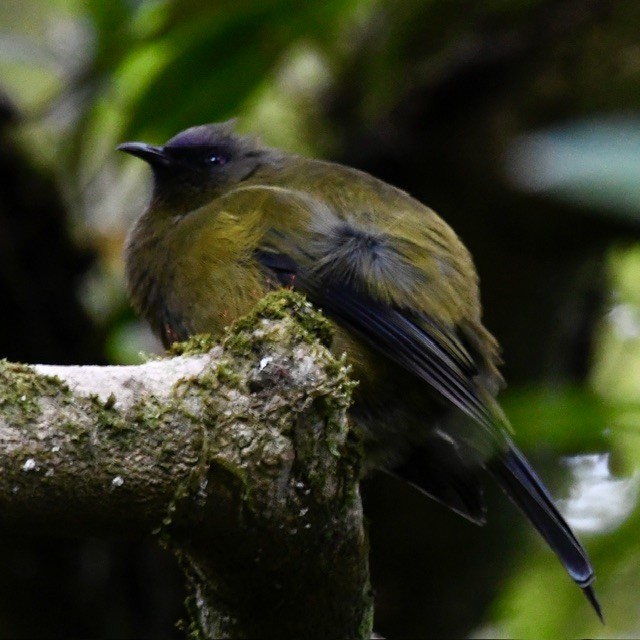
[[199, 163]]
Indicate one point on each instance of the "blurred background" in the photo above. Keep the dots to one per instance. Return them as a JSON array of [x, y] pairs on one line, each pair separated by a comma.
[[518, 121]]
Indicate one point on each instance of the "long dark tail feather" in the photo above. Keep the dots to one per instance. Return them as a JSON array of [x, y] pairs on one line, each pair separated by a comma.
[[525, 489]]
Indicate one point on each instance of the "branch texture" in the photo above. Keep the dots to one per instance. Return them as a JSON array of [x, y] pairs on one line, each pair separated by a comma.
[[239, 455]]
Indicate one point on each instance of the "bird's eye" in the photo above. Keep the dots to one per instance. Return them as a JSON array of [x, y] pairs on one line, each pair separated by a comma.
[[217, 159]]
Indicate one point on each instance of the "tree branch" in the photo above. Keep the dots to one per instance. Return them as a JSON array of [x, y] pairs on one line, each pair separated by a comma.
[[239, 457]]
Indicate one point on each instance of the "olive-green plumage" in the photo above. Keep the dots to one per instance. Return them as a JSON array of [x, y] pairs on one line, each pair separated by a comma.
[[230, 220]]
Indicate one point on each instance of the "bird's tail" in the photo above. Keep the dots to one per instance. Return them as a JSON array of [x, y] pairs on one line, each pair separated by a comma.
[[520, 482]]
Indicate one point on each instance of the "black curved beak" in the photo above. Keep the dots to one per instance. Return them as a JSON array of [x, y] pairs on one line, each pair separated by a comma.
[[147, 152]]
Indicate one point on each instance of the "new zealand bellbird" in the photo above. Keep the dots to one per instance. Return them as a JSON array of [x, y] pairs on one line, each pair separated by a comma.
[[231, 219]]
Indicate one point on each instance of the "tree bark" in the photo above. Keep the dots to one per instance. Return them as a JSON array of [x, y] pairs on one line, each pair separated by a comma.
[[239, 458]]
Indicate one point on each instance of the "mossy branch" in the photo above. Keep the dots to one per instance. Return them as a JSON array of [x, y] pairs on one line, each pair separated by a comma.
[[237, 455]]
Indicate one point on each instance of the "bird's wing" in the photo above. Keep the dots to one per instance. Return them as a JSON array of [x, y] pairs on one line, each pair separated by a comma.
[[409, 337], [403, 297], [370, 280]]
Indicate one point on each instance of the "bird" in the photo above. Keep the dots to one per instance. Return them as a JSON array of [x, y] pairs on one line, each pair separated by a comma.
[[231, 219]]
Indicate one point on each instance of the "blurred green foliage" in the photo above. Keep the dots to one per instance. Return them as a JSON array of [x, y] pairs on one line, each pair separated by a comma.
[[88, 75]]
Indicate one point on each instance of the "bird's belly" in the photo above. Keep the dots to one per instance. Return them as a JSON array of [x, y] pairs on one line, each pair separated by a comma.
[[213, 297]]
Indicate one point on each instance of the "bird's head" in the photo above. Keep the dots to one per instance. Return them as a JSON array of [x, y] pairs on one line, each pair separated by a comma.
[[198, 164]]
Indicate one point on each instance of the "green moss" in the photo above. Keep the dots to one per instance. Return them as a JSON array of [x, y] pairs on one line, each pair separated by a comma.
[[107, 416], [152, 413], [192, 628], [196, 345], [111, 401], [240, 341], [338, 369], [228, 376], [278, 305], [76, 433], [21, 389], [366, 622]]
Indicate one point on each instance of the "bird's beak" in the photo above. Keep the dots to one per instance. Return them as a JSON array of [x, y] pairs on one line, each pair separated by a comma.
[[147, 152]]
